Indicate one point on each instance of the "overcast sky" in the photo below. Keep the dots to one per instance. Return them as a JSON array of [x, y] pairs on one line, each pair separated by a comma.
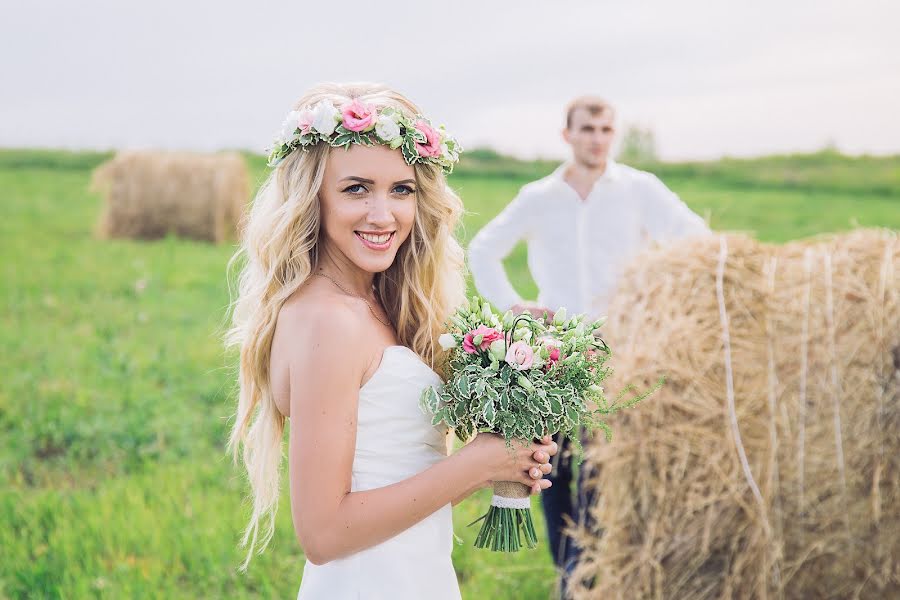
[[710, 78]]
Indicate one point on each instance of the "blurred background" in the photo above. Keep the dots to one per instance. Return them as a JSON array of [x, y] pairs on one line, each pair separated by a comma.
[[774, 118]]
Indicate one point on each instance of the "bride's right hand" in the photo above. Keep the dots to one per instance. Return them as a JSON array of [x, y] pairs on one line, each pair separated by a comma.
[[525, 462]]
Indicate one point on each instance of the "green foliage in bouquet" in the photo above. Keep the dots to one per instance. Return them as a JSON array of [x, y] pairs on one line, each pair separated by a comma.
[[559, 391], [521, 377]]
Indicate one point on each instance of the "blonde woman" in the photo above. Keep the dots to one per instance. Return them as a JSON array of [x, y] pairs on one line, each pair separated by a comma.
[[350, 268]]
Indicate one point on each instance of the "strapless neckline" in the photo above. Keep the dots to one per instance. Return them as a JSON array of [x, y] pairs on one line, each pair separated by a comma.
[[385, 354]]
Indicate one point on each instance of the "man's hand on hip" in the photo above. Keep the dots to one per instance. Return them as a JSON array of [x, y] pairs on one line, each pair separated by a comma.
[[535, 309]]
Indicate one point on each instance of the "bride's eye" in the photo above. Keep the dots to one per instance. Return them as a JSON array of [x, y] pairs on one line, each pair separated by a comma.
[[356, 189], [403, 190]]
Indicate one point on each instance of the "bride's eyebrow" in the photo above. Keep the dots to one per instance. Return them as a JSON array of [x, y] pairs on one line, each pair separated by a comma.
[[358, 179], [404, 181]]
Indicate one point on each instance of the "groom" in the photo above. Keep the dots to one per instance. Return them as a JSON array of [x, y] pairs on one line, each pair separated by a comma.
[[582, 224]]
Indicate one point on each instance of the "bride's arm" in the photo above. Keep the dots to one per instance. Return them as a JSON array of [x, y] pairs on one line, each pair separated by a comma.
[[478, 486], [330, 521]]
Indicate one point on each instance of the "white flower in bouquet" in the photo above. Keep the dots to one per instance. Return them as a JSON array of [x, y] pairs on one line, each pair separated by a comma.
[[447, 341], [497, 350], [486, 313], [522, 334], [559, 318]]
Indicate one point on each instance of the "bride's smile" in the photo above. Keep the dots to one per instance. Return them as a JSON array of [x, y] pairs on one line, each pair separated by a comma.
[[368, 203]]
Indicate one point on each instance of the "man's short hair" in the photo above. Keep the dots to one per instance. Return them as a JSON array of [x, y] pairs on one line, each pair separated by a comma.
[[595, 105]]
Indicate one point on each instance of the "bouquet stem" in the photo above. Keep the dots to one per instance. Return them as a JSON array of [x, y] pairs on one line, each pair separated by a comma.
[[507, 519]]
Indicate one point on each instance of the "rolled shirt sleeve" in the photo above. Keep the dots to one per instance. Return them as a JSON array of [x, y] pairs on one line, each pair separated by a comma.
[[665, 216]]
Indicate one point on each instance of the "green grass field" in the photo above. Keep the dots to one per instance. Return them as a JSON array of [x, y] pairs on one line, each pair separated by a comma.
[[116, 393]]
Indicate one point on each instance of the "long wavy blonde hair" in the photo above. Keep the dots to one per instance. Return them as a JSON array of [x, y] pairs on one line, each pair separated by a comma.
[[278, 252]]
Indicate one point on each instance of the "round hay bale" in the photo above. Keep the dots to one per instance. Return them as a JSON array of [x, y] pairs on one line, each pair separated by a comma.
[[768, 465], [149, 195]]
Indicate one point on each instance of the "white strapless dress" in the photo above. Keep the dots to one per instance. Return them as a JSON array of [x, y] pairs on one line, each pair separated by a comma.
[[394, 441]]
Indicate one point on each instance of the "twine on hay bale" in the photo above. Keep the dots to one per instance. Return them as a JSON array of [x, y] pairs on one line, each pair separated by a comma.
[[768, 466], [151, 194]]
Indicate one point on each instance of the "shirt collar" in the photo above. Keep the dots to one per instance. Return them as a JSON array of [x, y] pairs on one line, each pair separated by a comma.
[[613, 171]]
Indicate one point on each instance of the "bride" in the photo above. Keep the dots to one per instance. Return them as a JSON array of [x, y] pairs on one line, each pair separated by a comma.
[[350, 269]]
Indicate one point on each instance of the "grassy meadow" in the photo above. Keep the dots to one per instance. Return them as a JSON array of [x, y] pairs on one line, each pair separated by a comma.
[[116, 393]]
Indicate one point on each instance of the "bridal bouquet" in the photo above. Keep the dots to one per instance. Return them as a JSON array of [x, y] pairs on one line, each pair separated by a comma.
[[521, 377]]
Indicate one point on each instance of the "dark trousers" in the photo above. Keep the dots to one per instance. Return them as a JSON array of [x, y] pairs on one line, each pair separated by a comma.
[[564, 505]]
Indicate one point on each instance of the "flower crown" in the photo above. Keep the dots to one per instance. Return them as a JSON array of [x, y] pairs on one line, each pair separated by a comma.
[[360, 123]]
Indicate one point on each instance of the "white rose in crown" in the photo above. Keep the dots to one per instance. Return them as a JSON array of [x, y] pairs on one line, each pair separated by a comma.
[[387, 128], [325, 117], [289, 127]]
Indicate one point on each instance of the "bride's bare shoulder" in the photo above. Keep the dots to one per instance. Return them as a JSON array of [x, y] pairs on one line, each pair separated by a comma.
[[316, 309], [317, 333]]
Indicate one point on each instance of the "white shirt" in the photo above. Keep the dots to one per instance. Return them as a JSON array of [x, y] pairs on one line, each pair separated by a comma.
[[577, 248]]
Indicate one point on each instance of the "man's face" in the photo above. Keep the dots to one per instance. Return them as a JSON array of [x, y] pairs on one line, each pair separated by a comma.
[[590, 137]]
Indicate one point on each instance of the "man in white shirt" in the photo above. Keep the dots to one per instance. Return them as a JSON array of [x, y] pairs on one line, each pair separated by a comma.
[[581, 224]]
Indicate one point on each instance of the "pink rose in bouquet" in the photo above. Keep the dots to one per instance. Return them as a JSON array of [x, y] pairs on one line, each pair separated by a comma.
[[488, 335]]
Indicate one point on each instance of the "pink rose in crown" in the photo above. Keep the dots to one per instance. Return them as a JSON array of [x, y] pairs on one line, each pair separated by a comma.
[[358, 116], [305, 121], [432, 146], [520, 356], [488, 335]]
